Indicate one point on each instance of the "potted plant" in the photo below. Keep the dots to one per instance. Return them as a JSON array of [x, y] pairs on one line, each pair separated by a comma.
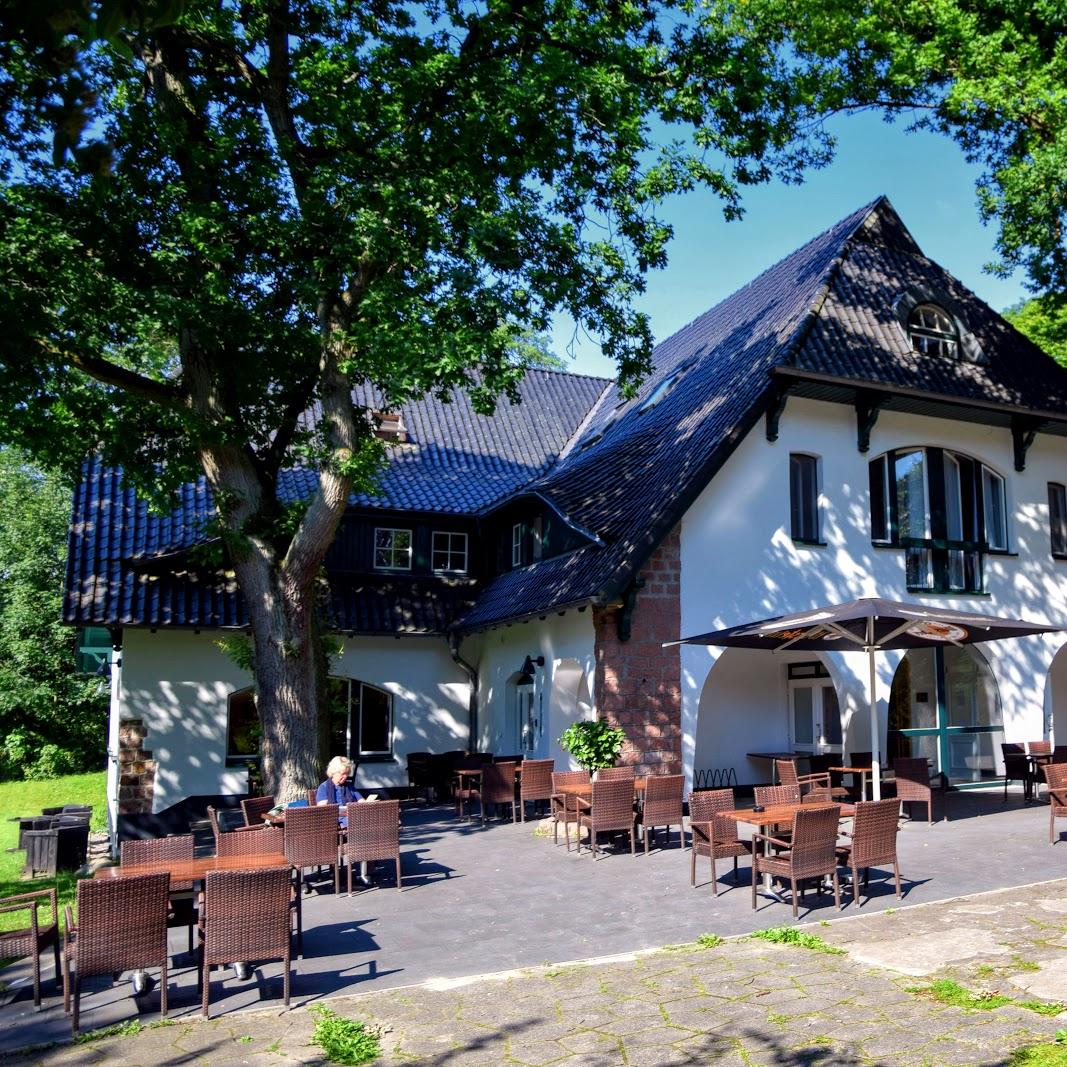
[[594, 743]]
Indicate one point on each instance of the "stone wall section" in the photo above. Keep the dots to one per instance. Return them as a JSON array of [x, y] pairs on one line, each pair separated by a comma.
[[638, 682], [137, 769]]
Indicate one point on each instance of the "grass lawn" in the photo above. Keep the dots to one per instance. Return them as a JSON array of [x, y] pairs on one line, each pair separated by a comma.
[[28, 798]]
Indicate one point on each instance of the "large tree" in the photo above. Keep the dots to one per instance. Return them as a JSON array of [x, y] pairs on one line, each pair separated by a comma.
[[218, 217]]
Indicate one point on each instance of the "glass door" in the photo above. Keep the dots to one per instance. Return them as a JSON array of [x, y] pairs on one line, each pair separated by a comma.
[[814, 713]]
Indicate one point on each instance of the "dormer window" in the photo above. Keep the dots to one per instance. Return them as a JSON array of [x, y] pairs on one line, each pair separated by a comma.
[[665, 386], [932, 331]]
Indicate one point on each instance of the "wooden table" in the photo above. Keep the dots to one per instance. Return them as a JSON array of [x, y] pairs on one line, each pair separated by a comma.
[[195, 870], [584, 790], [862, 772]]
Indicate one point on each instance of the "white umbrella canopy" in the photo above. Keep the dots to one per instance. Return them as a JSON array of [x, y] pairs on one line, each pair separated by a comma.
[[869, 625]]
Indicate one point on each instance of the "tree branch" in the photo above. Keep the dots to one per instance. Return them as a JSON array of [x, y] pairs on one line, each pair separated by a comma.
[[108, 373]]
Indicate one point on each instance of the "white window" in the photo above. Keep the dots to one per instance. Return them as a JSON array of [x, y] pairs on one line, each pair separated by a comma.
[[1057, 518], [392, 550], [996, 522], [932, 331], [516, 545], [361, 718], [449, 552], [804, 497]]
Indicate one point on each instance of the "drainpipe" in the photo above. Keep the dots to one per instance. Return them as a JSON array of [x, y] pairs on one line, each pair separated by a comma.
[[472, 678]]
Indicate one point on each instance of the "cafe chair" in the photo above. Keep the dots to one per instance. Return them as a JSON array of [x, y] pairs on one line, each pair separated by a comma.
[[912, 777], [146, 852], [712, 835], [1017, 768], [269, 841], [535, 783], [1056, 777], [610, 774], [497, 788], [36, 936], [246, 917], [227, 821], [254, 808], [662, 806], [786, 770], [466, 788], [373, 834], [122, 926], [811, 852], [311, 840], [562, 806], [611, 809], [872, 841]]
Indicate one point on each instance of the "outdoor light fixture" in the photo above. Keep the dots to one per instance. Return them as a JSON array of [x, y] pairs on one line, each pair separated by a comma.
[[526, 675]]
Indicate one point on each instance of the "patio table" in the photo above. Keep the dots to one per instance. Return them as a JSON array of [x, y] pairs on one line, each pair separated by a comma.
[[862, 772], [195, 870], [772, 756]]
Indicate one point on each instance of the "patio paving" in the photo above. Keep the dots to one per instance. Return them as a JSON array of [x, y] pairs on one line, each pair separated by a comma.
[[503, 899]]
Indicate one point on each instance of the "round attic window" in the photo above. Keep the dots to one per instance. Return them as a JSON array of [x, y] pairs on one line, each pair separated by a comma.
[[932, 331]]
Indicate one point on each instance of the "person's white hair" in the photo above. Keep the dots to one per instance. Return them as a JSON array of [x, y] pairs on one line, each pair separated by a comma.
[[338, 764]]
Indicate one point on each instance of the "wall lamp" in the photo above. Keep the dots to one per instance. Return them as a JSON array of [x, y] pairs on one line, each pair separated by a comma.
[[526, 675]]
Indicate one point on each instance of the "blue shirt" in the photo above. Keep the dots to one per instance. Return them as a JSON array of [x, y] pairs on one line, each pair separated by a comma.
[[336, 794]]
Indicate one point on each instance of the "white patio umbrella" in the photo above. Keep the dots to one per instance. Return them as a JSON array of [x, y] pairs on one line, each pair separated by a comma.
[[869, 624]]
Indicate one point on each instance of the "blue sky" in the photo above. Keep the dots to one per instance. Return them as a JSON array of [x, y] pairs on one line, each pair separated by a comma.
[[924, 175]]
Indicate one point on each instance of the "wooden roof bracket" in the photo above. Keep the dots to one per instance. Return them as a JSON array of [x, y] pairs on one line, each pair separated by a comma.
[[1023, 432], [624, 616], [779, 395], [868, 404]]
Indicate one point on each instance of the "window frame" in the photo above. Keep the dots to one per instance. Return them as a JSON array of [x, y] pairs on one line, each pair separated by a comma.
[[355, 730], [392, 548], [517, 539], [933, 340], [804, 511], [233, 758], [449, 551], [1057, 524]]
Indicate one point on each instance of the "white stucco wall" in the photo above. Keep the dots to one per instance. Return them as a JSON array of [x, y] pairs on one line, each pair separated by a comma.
[[563, 687], [739, 563]]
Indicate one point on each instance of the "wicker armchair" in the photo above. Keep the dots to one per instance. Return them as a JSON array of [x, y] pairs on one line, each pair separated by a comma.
[[611, 774], [270, 840], [711, 834], [768, 796], [811, 852], [873, 841], [662, 806], [144, 852], [373, 834], [914, 785], [563, 807], [122, 926], [312, 839], [246, 917], [254, 808], [1056, 776], [535, 784], [611, 809], [36, 936], [786, 770]]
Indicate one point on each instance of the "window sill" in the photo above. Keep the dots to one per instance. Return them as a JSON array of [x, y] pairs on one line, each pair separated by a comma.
[[1004, 552], [1061, 556], [920, 591], [376, 759], [804, 543]]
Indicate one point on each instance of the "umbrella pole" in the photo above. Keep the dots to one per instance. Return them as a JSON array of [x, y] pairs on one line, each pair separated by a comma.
[[876, 762]]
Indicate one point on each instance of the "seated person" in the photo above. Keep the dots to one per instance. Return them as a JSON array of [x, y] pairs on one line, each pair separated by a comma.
[[336, 789]]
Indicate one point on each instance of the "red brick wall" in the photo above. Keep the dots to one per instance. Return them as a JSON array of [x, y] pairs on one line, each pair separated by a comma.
[[638, 683], [137, 769]]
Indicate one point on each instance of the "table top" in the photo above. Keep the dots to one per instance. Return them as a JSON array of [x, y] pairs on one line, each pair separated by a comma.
[[585, 789], [195, 869], [778, 755], [853, 770], [780, 813]]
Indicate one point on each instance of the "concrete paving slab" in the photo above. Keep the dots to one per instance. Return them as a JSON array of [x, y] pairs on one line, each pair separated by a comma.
[[927, 953]]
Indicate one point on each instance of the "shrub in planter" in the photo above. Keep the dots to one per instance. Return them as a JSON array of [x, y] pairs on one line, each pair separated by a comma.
[[593, 743]]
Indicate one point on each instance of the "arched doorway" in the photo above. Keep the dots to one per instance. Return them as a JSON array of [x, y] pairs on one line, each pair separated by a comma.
[[945, 705]]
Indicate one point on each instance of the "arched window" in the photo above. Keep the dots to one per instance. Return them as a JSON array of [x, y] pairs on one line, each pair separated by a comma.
[[242, 727], [933, 331], [361, 719]]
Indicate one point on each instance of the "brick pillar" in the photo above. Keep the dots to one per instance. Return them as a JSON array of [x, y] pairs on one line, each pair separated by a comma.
[[638, 683], [137, 769]]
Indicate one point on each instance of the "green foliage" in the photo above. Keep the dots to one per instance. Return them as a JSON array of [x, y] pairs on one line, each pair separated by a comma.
[[1043, 1007], [790, 935], [989, 75], [52, 720], [1044, 321], [344, 1040], [946, 991], [594, 743], [710, 940], [1046, 1054]]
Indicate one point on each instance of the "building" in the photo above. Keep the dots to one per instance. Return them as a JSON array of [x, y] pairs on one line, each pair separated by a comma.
[[851, 422]]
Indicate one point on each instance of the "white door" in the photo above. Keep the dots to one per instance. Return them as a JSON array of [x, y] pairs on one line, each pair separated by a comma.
[[527, 730], [814, 716]]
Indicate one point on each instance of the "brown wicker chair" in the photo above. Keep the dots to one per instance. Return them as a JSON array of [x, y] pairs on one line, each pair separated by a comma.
[[535, 785], [562, 806], [268, 841], [465, 789], [373, 834], [873, 841], [220, 824], [144, 852], [246, 917], [768, 796], [1039, 748], [662, 806], [786, 770], [811, 852], [1056, 777], [1016, 768], [255, 808], [497, 788], [914, 786], [36, 936], [312, 795], [711, 834], [611, 809], [611, 774], [122, 926], [421, 777], [312, 839]]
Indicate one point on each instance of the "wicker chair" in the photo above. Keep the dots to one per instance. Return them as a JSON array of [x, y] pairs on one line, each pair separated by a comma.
[[465, 788], [122, 926], [254, 808], [612, 774], [246, 917], [158, 850], [562, 806], [768, 796], [786, 770], [611, 809], [535, 785], [873, 841], [373, 834], [312, 795], [711, 834], [1039, 748], [1056, 776], [312, 839], [270, 840], [662, 806], [914, 786], [36, 936], [1016, 768], [223, 822], [812, 852], [421, 777], [1059, 754], [498, 788]]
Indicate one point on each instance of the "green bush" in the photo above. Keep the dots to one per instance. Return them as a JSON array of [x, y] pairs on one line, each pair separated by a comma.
[[593, 743]]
